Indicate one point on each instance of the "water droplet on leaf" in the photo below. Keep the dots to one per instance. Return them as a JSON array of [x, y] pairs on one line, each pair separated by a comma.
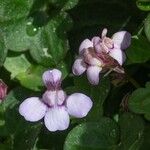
[[31, 30]]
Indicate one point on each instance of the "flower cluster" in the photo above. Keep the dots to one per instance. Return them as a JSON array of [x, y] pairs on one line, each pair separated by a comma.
[[95, 56], [55, 106], [102, 54]]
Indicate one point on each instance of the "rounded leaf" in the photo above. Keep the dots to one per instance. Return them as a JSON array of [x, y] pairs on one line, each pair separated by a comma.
[[88, 136]]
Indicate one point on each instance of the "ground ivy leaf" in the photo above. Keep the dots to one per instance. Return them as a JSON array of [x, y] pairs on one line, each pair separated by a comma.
[[32, 78], [17, 35], [47, 44], [54, 44], [139, 102], [93, 136], [14, 9], [16, 64], [132, 127], [147, 26], [139, 51]]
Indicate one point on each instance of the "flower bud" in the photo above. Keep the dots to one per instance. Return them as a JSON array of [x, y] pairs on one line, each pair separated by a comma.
[[3, 90]]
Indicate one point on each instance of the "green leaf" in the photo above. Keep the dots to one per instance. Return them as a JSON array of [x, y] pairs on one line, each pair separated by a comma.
[[143, 5], [147, 26], [139, 51], [47, 44], [139, 102], [20, 34], [3, 51], [29, 76], [16, 64], [14, 9], [53, 44], [27, 138], [132, 127], [93, 136], [32, 78]]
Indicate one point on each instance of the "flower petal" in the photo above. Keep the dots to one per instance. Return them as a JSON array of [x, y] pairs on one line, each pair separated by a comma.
[[61, 96], [97, 41], [57, 118], [122, 39], [104, 32], [79, 67], [93, 74], [78, 105], [118, 55], [85, 44], [52, 78], [54, 97], [32, 109]]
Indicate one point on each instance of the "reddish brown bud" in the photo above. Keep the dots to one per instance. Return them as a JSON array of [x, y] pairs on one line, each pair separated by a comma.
[[3, 90]]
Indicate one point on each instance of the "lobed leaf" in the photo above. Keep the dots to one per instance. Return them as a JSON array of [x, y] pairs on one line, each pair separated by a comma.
[[139, 51], [132, 127], [93, 136], [139, 102]]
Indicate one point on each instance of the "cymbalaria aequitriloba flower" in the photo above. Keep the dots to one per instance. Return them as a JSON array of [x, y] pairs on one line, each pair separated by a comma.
[[102, 54], [3, 90], [55, 106]]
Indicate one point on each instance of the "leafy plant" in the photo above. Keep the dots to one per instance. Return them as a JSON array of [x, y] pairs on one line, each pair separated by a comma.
[[113, 112]]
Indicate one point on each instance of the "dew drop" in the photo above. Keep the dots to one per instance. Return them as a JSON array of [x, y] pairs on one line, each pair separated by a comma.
[[31, 30]]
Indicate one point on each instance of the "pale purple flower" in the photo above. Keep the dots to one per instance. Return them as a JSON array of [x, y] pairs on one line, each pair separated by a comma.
[[88, 61], [113, 46], [100, 54], [55, 106]]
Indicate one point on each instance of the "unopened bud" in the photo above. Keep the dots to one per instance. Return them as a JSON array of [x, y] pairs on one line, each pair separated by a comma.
[[3, 90]]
